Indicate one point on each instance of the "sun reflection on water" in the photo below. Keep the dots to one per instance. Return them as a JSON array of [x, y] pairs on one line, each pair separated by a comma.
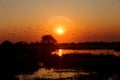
[[60, 52]]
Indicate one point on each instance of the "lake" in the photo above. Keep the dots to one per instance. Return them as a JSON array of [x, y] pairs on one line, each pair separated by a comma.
[[65, 74], [61, 52], [53, 73]]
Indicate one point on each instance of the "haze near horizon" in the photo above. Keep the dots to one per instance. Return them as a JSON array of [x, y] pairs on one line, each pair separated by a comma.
[[65, 20]]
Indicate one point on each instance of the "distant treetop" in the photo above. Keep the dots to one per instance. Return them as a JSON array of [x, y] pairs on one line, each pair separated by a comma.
[[48, 39]]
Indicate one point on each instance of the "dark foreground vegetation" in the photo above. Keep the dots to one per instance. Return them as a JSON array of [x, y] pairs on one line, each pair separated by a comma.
[[21, 57]]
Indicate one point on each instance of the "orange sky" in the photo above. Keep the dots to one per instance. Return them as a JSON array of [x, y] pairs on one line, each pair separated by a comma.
[[82, 20]]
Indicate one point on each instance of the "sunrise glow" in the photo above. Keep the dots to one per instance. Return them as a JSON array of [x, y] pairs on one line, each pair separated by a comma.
[[60, 39], [66, 20]]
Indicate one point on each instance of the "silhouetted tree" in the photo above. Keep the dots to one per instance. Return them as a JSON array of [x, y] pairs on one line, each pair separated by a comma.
[[7, 43], [48, 39], [21, 43]]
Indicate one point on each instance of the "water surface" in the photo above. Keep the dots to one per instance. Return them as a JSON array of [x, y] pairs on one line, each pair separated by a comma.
[[58, 73], [52, 73], [61, 52]]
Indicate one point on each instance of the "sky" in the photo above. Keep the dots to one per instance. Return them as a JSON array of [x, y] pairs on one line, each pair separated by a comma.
[[81, 20]]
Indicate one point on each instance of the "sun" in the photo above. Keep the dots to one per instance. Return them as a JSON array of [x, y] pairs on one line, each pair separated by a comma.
[[60, 30]]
